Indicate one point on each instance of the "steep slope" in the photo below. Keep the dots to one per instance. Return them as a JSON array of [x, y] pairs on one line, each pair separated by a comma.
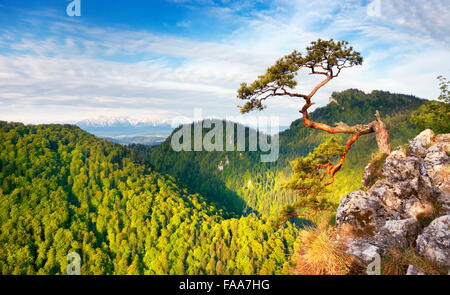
[[245, 184], [63, 190]]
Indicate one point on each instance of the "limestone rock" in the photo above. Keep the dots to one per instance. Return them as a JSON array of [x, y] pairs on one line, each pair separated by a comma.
[[421, 142], [360, 210], [434, 242], [398, 233], [437, 167], [413, 190], [364, 250], [413, 271]]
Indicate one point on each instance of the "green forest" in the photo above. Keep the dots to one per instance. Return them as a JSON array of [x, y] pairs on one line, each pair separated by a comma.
[[149, 210], [64, 190]]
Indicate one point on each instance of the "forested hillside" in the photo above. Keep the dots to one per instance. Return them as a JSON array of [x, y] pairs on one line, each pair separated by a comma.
[[238, 181], [64, 190]]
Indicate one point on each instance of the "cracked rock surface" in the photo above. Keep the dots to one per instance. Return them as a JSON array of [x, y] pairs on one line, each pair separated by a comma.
[[409, 204]]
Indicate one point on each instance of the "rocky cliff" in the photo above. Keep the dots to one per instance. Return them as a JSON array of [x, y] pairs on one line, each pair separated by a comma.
[[407, 204]]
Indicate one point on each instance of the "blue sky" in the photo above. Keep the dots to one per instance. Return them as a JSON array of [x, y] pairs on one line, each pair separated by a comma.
[[154, 60]]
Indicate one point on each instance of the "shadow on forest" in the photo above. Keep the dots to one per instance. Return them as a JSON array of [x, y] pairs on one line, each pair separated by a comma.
[[189, 172]]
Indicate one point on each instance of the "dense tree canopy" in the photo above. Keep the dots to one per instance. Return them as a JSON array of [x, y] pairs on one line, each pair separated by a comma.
[[63, 190]]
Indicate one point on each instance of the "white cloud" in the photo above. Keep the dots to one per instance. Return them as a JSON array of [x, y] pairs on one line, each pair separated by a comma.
[[184, 24], [70, 76], [428, 19]]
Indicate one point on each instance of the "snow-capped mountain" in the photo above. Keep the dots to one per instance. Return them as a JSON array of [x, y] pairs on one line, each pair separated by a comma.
[[104, 121], [124, 127]]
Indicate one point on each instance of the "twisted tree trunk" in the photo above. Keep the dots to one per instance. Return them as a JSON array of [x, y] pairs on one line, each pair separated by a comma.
[[377, 126], [382, 135]]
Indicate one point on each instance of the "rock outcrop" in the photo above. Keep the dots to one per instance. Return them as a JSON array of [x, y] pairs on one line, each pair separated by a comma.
[[407, 205], [434, 241]]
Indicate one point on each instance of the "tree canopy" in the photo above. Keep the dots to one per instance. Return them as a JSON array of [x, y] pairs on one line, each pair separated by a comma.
[[435, 114]]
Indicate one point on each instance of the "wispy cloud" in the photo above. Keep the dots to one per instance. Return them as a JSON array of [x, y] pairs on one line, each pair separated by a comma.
[[70, 70]]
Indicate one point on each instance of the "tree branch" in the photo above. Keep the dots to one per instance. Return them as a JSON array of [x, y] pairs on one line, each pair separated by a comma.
[[318, 86]]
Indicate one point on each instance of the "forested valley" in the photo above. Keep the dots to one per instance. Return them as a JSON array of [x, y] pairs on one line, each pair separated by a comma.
[[64, 190]]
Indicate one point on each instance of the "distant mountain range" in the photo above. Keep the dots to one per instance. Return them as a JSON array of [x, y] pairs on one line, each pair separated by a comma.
[[139, 139], [124, 130], [104, 121]]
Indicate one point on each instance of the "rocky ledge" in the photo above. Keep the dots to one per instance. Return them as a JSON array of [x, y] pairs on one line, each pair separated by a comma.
[[407, 206]]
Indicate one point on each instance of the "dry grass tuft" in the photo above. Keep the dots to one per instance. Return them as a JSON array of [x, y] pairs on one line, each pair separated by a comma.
[[320, 253], [397, 260]]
